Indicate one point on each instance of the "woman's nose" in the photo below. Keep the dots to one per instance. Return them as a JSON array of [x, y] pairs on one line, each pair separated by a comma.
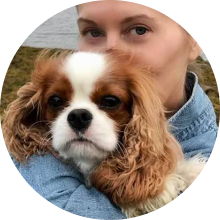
[[113, 41]]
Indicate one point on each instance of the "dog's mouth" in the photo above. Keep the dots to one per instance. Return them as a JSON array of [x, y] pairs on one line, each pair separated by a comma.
[[81, 141]]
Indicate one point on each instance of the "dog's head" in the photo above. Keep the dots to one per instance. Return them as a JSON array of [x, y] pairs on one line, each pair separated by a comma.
[[87, 122]]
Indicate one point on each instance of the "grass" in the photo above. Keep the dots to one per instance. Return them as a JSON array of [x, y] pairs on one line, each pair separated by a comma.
[[18, 74], [22, 65], [208, 82]]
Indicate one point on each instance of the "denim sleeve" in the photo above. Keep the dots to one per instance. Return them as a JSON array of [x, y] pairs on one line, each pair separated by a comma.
[[202, 144], [62, 185]]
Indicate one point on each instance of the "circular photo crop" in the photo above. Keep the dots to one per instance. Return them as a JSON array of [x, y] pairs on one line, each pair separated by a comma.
[[110, 110]]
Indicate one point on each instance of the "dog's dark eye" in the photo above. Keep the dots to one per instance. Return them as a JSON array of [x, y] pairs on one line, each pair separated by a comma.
[[55, 101], [110, 102]]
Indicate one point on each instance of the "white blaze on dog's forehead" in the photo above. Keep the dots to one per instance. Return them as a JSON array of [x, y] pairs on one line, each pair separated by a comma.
[[83, 69]]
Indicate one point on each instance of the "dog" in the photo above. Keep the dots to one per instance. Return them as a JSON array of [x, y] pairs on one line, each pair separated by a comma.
[[102, 112]]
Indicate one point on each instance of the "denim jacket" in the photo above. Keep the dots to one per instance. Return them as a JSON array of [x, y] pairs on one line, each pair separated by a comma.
[[194, 126]]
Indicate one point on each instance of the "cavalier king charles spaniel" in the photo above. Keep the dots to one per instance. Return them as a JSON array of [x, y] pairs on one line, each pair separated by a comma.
[[101, 111]]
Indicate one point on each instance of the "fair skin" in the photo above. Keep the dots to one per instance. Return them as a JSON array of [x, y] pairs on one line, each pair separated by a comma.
[[151, 36]]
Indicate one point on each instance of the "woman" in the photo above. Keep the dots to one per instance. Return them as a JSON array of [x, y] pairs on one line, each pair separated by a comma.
[[168, 49]]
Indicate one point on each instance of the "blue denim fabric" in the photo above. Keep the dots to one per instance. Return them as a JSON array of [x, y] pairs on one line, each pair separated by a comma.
[[63, 186], [194, 126]]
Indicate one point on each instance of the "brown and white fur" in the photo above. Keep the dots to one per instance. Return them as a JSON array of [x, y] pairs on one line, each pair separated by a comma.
[[102, 112]]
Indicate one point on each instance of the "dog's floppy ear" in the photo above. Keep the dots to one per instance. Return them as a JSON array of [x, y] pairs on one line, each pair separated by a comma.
[[150, 152], [21, 130]]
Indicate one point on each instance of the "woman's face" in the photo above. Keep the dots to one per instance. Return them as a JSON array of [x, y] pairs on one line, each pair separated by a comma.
[[153, 37]]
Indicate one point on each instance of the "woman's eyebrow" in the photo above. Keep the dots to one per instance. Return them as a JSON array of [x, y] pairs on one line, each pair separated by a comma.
[[141, 16], [85, 20]]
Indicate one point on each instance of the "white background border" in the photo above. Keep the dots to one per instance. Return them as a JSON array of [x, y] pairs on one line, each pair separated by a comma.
[[19, 18]]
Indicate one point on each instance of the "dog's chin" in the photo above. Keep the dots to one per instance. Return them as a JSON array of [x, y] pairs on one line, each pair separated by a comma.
[[83, 149]]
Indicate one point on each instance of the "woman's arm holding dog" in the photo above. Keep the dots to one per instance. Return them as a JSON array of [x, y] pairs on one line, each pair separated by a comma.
[[63, 186]]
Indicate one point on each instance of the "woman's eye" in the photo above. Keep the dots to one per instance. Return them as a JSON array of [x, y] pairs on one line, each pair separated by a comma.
[[110, 102], [140, 30], [55, 101], [92, 33]]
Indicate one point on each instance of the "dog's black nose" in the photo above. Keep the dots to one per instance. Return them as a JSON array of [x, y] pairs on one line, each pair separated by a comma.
[[79, 119]]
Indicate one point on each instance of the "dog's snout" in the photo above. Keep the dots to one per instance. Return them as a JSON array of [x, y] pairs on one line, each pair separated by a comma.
[[79, 119]]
